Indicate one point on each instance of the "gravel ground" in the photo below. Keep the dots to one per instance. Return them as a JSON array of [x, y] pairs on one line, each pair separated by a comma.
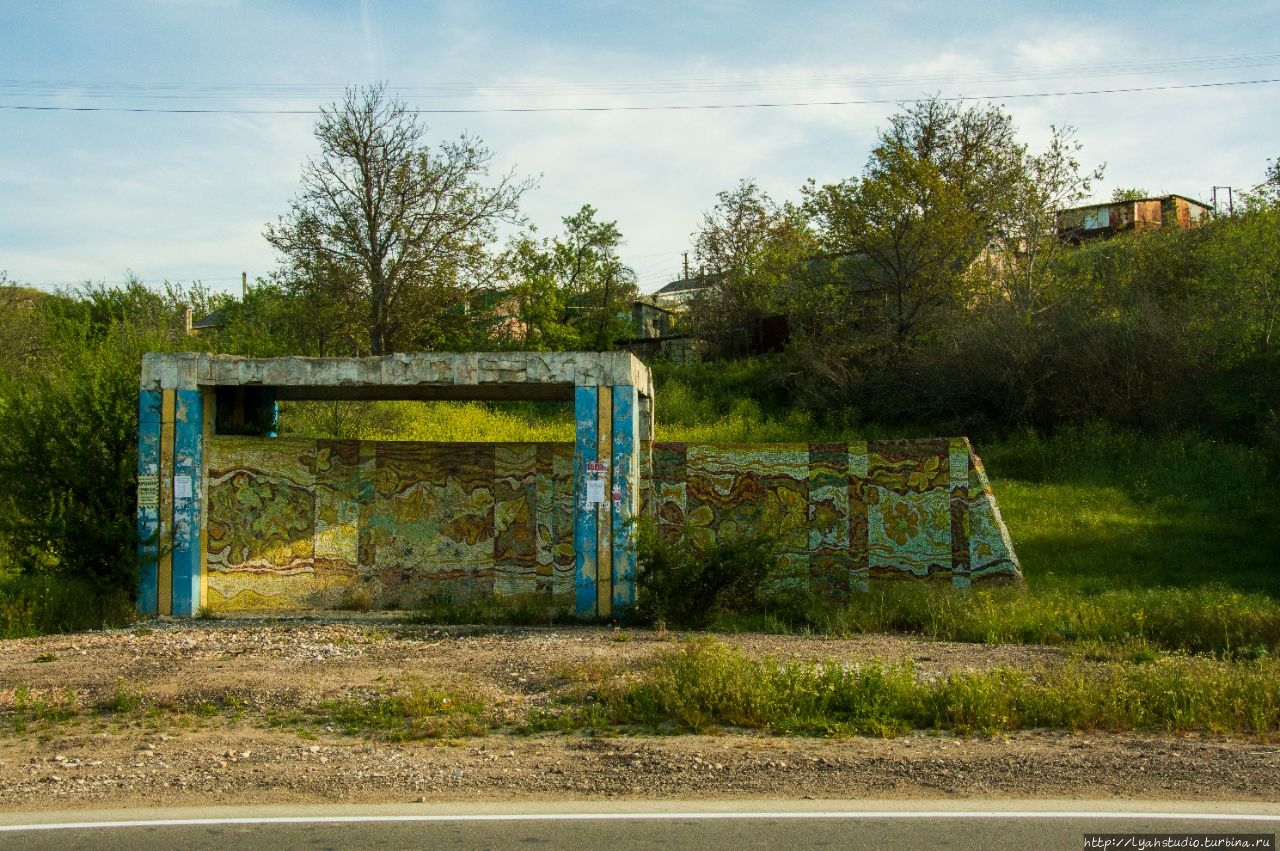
[[167, 758]]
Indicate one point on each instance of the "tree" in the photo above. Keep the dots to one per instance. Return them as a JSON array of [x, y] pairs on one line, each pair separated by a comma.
[[282, 316], [900, 240], [68, 432], [389, 229], [23, 342], [975, 151], [594, 274], [752, 250], [574, 290], [544, 321], [1024, 240], [1266, 193]]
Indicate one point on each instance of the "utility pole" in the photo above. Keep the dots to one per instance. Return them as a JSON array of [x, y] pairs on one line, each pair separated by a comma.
[[686, 265], [244, 286]]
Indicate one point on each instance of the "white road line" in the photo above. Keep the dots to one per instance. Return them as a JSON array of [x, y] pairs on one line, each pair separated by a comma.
[[691, 816]]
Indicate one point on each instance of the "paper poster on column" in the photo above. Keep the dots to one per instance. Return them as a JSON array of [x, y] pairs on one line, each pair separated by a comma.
[[595, 491], [182, 487]]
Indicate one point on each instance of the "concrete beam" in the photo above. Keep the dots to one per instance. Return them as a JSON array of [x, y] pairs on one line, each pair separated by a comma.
[[413, 375]]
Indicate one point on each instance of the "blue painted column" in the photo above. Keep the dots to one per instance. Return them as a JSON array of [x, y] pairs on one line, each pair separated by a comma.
[[586, 444], [625, 495], [188, 501], [148, 500]]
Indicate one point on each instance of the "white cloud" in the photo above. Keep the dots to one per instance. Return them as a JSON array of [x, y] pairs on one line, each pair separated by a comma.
[[87, 196]]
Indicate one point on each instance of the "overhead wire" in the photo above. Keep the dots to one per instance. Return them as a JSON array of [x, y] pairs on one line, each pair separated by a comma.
[[16, 91], [684, 84], [649, 107]]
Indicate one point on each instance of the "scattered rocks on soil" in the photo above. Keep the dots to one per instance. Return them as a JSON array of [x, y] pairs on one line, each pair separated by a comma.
[[171, 758]]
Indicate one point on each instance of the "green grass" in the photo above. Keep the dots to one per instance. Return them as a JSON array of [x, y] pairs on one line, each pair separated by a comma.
[[39, 709], [416, 711], [1212, 620], [430, 421], [705, 685], [1096, 510]]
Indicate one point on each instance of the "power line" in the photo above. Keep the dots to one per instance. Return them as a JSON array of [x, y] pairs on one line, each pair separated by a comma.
[[682, 84], [649, 108]]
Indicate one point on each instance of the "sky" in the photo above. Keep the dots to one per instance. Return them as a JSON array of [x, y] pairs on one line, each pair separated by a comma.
[[157, 138]]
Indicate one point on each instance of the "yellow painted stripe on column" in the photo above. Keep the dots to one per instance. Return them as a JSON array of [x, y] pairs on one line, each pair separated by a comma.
[[209, 412], [604, 512], [168, 404]]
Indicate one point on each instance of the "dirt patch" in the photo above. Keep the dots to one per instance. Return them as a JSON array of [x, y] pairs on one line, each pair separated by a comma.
[[178, 758]]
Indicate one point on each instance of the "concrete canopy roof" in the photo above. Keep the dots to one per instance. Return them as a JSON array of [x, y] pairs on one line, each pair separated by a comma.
[[489, 376]]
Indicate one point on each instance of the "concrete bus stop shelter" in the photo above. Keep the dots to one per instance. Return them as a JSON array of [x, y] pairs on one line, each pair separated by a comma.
[[186, 397]]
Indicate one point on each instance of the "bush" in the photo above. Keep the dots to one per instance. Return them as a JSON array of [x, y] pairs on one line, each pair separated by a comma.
[[68, 458], [69, 436], [39, 605], [684, 585]]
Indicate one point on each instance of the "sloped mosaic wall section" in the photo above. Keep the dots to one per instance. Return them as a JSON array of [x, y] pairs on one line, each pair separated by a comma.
[[851, 513], [300, 523]]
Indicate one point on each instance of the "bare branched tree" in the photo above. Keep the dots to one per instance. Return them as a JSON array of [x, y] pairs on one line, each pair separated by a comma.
[[389, 228], [1025, 240]]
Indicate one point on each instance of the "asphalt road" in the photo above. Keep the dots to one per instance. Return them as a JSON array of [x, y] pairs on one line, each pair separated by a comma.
[[706, 826]]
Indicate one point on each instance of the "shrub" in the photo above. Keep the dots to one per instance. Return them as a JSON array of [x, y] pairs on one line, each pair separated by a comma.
[[686, 585], [38, 605]]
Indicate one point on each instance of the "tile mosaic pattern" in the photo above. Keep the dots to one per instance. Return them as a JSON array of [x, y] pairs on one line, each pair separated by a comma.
[[299, 523], [848, 513]]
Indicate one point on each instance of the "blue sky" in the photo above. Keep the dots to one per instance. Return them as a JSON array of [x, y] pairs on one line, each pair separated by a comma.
[[94, 195]]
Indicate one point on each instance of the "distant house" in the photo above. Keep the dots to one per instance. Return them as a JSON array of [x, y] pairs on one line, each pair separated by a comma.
[[675, 295], [651, 321], [499, 309], [1100, 220], [212, 322]]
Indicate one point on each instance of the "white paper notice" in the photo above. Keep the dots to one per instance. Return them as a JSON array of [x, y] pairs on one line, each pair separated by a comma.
[[182, 487], [595, 491]]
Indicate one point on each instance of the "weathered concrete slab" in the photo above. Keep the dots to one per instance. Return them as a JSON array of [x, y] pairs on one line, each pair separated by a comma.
[[493, 376]]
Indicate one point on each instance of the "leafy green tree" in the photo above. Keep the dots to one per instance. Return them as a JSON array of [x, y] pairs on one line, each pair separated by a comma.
[[901, 240], [752, 250], [975, 151], [281, 317], [543, 318], [1240, 290], [574, 291], [388, 229], [599, 283]]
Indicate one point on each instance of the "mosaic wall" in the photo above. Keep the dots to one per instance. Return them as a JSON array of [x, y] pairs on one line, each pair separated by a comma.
[[300, 523], [845, 513]]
